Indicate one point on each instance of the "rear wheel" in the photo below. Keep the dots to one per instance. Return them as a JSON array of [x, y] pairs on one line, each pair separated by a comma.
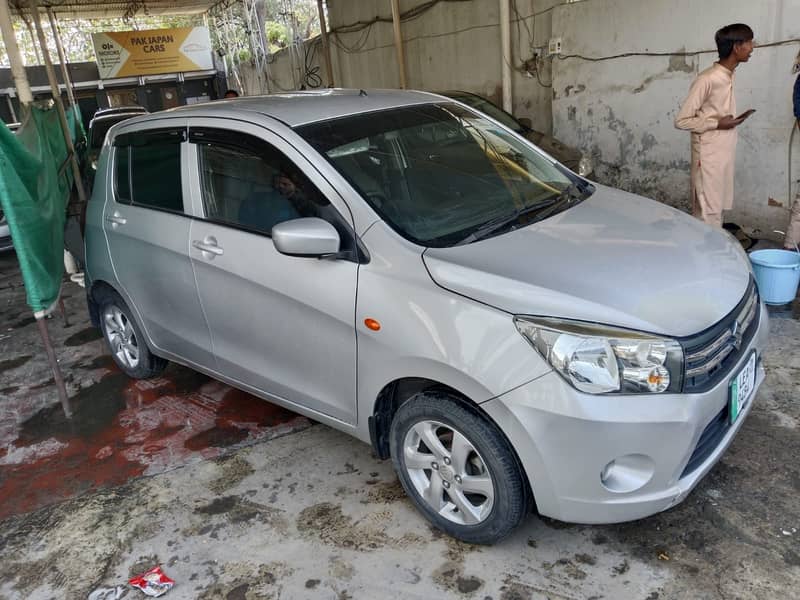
[[458, 468], [124, 339]]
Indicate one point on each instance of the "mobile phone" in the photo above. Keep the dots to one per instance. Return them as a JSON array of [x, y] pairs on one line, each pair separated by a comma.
[[746, 114]]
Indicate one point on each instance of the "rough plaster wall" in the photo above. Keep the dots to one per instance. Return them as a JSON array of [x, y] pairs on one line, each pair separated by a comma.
[[285, 71], [623, 109], [455, 45]]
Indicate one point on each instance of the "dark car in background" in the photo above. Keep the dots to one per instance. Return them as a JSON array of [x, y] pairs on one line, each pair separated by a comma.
[[5, 233], [101, 122], [570, 157]]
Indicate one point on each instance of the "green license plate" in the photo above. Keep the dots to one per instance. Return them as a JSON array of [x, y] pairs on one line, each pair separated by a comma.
[[742, 386]]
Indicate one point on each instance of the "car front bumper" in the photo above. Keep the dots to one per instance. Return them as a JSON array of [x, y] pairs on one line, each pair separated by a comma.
[[565, 439]]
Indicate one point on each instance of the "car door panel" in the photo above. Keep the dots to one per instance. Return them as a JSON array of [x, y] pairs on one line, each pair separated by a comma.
[[282, 324], [149, 250]]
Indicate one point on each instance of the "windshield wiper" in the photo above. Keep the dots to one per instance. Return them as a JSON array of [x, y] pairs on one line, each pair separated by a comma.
[[500, 223], [575, 191]]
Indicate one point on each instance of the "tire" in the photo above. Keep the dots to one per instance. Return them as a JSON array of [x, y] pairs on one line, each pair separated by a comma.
[[458, 468], [125, 340]]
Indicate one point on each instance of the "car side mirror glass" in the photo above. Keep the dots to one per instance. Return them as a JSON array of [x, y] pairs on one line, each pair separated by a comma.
[[525, 122], [308, 236]]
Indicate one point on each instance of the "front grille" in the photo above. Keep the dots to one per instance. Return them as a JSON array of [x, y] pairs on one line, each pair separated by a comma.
[[711, 354], [710, 438]]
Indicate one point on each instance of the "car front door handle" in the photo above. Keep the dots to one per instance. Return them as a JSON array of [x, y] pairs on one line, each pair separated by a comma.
[[208, 245], [116, 219]]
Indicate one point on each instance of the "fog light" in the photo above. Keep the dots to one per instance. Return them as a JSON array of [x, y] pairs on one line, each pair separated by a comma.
[[627, 473]]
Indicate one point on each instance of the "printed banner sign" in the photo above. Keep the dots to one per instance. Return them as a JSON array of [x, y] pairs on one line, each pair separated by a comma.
[[130, 53]]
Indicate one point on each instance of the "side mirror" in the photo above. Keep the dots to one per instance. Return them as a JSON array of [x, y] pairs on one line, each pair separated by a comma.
[[525, 122], [309, 236]]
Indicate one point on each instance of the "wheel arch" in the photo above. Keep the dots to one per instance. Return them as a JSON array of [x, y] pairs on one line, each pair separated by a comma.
[[397, 392]]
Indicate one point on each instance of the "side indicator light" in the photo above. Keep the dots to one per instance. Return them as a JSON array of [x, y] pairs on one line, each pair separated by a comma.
[[372, 324]]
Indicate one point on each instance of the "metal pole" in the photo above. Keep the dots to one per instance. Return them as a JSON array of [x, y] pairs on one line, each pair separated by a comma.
[[51, 356], [61, 57], [15, 57], [325, 45], [505, 42], [11, 108], [51, 76], [398, 43]]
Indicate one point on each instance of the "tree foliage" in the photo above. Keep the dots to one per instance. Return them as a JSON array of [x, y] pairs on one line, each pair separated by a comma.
[[285, 21]]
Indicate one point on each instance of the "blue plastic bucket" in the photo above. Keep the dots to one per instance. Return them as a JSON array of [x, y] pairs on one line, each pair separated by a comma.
[[777, 274]]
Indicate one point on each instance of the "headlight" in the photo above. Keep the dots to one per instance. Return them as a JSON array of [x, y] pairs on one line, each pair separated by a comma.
[[599, 360], [585, 166]]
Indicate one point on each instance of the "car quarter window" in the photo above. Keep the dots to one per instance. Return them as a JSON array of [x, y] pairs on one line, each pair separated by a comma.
[[247, 183], [122, 175], [147, 169]]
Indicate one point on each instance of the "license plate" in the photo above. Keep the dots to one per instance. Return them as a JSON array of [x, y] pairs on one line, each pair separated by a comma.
[[742, 386]]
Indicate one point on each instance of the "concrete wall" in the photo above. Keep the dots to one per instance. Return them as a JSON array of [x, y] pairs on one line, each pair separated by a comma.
[[623, 109], [455, 45]]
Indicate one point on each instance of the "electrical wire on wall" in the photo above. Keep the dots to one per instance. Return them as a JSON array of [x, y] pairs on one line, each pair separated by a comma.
[[532, 66], [786, 42]]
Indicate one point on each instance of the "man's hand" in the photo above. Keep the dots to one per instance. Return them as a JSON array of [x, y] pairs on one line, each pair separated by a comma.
[[728, 122]]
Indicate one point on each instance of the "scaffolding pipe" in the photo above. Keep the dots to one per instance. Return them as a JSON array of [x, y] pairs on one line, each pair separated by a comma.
[[505, 43], [56, 93], [51, 76], [41, 323], [15, 57], [62, 59], [325, 44], [11, 109], [398, 43]]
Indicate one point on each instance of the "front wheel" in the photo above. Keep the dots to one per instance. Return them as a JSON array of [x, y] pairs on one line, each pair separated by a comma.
[[458, 468]]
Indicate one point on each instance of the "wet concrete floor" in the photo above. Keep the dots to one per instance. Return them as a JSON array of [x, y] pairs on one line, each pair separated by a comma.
[[121, 428], [314, 515]]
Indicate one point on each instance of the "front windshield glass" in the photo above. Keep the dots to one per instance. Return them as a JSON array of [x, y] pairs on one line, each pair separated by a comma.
[[441, 174], [483, 105]]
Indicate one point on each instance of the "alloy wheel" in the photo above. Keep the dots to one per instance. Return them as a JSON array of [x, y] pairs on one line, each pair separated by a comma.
[[121, 336], [448, 472]]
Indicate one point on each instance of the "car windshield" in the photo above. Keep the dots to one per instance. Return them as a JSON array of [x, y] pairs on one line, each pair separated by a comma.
[[443, 175], [483, 105]]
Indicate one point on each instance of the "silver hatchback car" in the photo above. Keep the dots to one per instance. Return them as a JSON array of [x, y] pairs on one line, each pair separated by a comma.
[[409, 271]]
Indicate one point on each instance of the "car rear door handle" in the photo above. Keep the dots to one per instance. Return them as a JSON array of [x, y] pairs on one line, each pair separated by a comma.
[[116, 219], [208, 245]]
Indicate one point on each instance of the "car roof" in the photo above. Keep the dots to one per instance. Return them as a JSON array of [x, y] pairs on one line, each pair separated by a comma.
[[300, 108], [120, 109], [114, 116]]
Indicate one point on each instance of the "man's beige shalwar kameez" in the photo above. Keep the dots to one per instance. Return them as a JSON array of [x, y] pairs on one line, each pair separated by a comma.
[[713, 150]]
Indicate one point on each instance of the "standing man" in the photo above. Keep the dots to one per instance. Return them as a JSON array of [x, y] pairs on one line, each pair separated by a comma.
[[793, 232], [708, 113]]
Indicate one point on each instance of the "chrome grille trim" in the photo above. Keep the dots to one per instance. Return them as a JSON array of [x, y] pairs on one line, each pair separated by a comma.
[[701, 362]]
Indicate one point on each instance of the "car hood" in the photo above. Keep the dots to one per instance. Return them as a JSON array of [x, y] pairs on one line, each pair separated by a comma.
[[615, 258]]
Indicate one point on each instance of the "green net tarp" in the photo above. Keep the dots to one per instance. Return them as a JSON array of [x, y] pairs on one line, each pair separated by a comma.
[[34, 197]]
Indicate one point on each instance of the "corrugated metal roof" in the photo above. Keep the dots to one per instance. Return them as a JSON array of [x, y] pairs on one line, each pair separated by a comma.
[[86, 9]]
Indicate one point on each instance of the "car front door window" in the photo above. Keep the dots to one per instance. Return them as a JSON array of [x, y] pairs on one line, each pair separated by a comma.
[[250, 185]]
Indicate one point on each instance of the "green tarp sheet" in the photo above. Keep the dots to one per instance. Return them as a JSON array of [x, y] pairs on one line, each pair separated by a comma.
[[34, 198]]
